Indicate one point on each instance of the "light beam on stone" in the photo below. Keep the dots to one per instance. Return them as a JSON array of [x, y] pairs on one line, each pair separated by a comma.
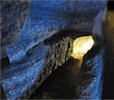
[[81, 46]]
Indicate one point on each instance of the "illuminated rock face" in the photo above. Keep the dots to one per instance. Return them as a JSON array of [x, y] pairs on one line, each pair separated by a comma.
[[81, 46], [89, 84]]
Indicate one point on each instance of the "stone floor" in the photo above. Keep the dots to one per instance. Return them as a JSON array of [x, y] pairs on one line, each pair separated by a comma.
[[61, 83], [67, 80]]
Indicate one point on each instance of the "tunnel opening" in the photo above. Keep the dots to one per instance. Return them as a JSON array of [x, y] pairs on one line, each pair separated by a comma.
[[61, 83], [81, 46]]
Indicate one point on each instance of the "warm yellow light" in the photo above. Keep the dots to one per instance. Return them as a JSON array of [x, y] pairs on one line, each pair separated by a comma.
[[81, 46]]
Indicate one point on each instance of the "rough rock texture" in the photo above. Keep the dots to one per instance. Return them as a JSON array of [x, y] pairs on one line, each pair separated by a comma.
[[19, 80], [60, 52], [13, 15], [89, 83], [48, 17], [61, 83], [36, 61]]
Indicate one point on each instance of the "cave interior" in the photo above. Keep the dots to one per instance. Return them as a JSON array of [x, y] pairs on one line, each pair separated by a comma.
[[57, 49]]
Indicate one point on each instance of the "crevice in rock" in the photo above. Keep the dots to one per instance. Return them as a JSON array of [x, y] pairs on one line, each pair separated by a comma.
[[57, 85]]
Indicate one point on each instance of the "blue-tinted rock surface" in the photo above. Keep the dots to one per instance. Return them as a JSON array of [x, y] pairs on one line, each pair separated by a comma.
[[12, 18], [48, 17], [28, 58], [20, 79], [91, 75]]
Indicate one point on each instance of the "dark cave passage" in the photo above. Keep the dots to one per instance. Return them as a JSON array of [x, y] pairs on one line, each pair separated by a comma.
[[61, 83]]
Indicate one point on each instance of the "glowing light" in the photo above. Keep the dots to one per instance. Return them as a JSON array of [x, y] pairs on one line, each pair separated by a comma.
[[81, 46]]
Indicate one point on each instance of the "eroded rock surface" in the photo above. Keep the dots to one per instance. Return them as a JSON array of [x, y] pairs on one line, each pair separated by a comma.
[[21, 79], [48, 17], [13, 16], [89, 83], [33, 61]]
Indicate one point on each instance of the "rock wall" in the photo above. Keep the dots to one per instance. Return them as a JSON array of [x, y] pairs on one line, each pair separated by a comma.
[[49, 17], [32, 60], [59, 53], [89, 84], [13, 16], [24, 77]]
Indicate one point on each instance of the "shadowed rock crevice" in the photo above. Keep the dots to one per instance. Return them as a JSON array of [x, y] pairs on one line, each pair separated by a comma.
[[71, 80], [61, 87]]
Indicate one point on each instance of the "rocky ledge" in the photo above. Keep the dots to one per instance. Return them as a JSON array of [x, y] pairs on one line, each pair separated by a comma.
[[19, 80]]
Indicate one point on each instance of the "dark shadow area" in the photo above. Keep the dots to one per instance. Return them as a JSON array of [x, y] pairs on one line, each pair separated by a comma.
[[110, 5], [61, 83], [65, 33], [108, 86], [4, 62], [91, 53], [2, 94]]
